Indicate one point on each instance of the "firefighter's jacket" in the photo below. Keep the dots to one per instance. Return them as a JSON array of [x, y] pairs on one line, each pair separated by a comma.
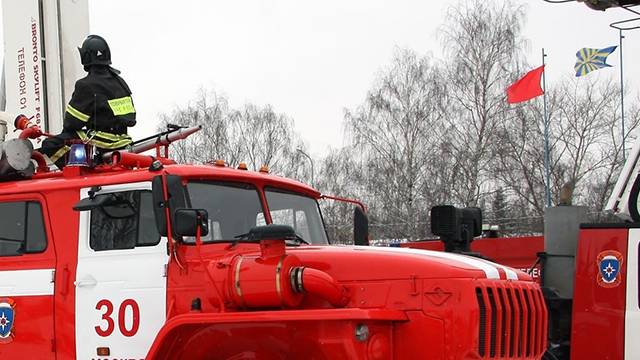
[[101, 109]]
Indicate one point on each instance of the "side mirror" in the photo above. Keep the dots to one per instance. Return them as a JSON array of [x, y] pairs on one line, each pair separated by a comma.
[[360, 227], [176, 198], [187, 222], [113, 205]]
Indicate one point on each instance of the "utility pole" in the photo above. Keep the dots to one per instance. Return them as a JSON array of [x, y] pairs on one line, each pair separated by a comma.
[[546, 137], [622, 96]]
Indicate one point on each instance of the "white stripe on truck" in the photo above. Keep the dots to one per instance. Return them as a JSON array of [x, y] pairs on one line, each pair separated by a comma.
[[26, 282], [490, 269]]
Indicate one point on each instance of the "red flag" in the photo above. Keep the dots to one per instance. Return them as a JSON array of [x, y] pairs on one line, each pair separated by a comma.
[[526, 88]]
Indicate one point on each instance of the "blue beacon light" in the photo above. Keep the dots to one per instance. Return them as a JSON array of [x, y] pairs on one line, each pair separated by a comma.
[[77, 155]]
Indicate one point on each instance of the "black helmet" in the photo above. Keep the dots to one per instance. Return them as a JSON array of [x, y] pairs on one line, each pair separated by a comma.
[[95, 51]]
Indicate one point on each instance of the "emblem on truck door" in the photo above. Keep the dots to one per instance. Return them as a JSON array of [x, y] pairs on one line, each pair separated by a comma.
[[7, 318], [609, 265]]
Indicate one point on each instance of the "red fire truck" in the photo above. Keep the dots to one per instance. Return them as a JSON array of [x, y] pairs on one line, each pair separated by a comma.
[[139, 257]]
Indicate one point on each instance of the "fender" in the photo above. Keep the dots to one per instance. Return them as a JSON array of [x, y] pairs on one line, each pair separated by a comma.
[[173, 338]]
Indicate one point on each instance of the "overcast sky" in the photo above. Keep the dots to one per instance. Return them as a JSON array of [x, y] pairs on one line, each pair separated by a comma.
[[311, 60]]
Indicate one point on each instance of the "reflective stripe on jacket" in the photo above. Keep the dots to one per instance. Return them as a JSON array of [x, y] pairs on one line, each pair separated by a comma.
[[104, 140]]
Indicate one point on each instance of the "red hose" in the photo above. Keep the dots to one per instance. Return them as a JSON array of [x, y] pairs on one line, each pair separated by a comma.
[[320, 283], [128, 159], [32, 132], [40, 160]]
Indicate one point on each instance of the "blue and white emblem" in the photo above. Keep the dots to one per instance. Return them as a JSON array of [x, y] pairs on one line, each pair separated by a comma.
[[7, 318], [609, 266]]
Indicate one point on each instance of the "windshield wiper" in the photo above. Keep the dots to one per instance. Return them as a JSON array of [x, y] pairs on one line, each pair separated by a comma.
[[10, 240], [241, 238], [245, 238], [299, 240]]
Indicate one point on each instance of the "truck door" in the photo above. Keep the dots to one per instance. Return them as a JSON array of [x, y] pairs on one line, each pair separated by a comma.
[[121, 275], [27, 263]]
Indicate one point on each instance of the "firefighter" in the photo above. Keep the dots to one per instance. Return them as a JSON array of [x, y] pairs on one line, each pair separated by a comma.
[[100, 109]]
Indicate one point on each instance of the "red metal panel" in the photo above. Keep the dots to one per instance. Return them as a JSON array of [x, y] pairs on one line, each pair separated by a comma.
[[598, 312], [508, 339], [524, 339], [541, 322], [516, 329], [545, 319], [270, 333], [517, 336], [500, 313], [533, 322], [66, 239], [33, 331], [517, 252], [536, 326], [533, 319], [527, 322], [487, 331]]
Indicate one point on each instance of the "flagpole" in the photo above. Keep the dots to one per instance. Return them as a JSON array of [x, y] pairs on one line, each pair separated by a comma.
[[622, 96], [546, 135]]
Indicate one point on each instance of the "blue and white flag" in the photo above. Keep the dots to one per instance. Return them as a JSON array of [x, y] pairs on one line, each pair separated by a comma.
[[592, 59]]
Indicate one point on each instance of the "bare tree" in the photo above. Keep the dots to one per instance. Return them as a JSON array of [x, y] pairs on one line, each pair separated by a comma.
[[585, 144], [483, 44], [341, 174], [255, 135], [263, 137], [397, 129], [588, 127], [210, 110], [591, 136], [432, 132], [519, 155]]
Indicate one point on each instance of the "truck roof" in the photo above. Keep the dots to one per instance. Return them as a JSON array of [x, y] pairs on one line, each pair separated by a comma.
[[117, 175]]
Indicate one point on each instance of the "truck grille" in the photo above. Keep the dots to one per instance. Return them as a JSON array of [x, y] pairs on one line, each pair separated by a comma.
[[512, 320]]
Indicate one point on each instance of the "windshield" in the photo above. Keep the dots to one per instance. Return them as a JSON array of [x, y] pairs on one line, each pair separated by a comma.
[[300, 212], [234, 208]]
